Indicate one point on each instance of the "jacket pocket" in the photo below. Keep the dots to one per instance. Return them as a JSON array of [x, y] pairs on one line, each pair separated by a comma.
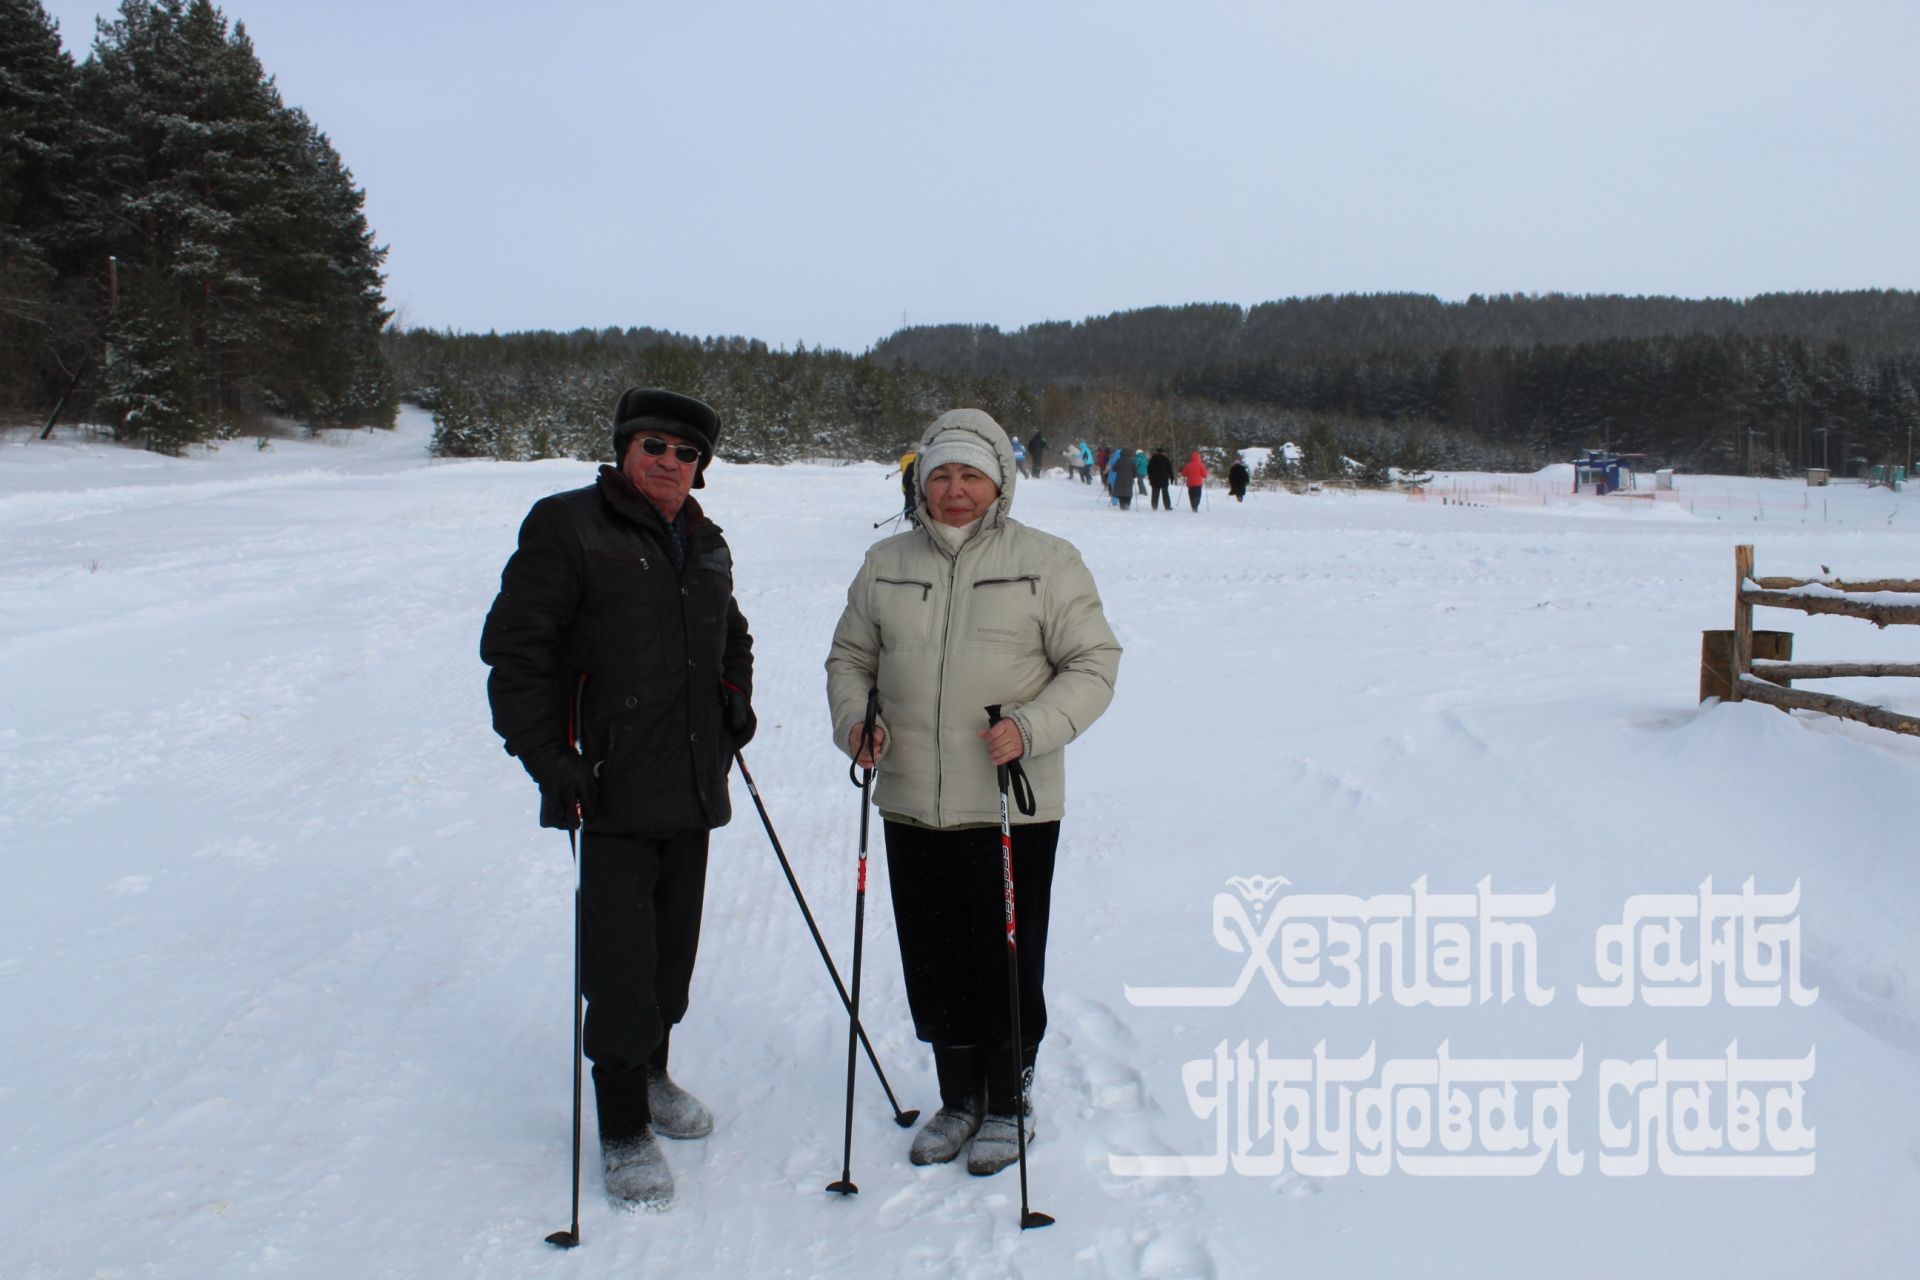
[[616, 573], [615, 708], [902, 611], [1005, 613], [625, 594]]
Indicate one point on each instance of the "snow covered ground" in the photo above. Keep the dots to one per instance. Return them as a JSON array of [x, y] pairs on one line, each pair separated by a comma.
[[285, 964]]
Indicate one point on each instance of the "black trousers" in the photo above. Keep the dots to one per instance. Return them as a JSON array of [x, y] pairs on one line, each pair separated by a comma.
[[640, 899], [949, 909], [1161, 498], [1193, 497]]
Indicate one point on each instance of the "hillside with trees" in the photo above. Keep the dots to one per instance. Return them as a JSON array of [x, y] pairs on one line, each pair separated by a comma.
[[184, 253], [1768, 385]]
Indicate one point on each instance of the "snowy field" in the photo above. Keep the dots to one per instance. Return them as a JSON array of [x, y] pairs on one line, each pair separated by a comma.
[[285, 963]]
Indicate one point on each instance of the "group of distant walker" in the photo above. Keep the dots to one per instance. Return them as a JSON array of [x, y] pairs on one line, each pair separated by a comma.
[[1127, 472], [1124, 474]]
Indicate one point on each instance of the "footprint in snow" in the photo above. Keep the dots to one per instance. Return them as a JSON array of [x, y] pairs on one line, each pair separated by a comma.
[[1177, 1255], [1093, 1019], [1113, 1085]]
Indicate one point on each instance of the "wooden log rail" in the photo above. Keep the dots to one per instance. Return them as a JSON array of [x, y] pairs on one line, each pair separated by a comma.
[[1871, 584], [1758, 690], [1783, 671], [1880, 615], [1767, 681]]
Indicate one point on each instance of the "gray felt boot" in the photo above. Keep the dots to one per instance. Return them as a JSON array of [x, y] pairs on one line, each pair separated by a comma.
[[1009, 1092], [637, 1174], [962, 1103], [945, 1135], [676, 1113]]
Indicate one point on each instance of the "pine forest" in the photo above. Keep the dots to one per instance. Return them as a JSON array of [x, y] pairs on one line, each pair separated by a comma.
[[181, 253]]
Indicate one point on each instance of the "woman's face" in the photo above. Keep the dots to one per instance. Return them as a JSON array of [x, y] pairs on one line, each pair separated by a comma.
[[958, 494]]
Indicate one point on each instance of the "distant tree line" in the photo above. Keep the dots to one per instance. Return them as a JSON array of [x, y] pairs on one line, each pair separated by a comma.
[[1770, 383], [180, 251], [537, 395], [1361, 384]]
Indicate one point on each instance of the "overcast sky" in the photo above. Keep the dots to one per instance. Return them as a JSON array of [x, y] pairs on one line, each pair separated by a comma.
[[822, 172]]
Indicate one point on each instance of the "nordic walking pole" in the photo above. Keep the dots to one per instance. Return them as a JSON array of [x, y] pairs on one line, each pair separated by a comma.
[[904, 1119], [1006, 774], [569, 1238], [845, 1185]]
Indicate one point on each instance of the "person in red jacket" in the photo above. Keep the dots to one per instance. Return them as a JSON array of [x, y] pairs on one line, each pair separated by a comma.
[[1195, 474]]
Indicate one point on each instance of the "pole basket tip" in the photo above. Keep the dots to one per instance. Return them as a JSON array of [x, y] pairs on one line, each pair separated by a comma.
[[843, 1187], [1033, 1218], [906, 1118], [564, 1239]]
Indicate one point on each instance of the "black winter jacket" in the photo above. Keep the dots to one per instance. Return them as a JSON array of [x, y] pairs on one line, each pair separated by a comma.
[[591, 602], [1159, 470]]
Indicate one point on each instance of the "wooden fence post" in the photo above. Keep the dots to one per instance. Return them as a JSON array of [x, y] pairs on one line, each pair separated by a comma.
[[1742, 617]]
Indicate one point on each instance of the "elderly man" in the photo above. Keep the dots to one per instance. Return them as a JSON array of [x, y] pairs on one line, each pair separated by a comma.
[[622, 672]]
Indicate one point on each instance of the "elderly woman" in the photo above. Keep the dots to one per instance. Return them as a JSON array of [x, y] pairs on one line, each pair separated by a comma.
[[971, 610]]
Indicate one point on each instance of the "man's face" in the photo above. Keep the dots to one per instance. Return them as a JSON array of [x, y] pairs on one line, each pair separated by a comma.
[[662, 477]]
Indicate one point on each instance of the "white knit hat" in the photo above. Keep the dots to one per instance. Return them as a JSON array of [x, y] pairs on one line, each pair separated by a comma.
[[964, 445]]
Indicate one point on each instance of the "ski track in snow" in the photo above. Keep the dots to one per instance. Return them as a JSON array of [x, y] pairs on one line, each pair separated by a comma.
[[285, 962]]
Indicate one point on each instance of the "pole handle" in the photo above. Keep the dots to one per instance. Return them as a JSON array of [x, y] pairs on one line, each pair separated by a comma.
[[858, 776], [1011, 775]]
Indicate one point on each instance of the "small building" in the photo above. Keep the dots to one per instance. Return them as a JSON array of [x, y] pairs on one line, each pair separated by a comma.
[[1597, 471]]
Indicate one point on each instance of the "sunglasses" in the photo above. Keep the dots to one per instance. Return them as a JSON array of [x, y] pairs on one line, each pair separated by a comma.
[[654, 446]]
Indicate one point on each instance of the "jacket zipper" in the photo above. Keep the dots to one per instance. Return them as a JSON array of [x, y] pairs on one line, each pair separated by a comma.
[[1031, 579], [940, 700]]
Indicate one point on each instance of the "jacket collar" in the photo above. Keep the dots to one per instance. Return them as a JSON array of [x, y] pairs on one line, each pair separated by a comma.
[[619, 493]]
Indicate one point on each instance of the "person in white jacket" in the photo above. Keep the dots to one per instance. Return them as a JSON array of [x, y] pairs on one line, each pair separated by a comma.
[[974, 609]]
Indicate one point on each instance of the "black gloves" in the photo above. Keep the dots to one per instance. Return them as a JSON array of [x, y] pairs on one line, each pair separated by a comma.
[[737, 711], [566, 784]]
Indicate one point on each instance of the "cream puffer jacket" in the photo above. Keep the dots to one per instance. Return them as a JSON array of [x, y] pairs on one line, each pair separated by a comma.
[[1012, 618]]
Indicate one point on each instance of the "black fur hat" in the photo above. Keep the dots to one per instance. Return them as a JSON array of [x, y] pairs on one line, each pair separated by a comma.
[[693, 420]]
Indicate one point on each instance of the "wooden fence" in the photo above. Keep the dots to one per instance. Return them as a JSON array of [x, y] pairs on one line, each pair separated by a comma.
[[1767, 680]]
